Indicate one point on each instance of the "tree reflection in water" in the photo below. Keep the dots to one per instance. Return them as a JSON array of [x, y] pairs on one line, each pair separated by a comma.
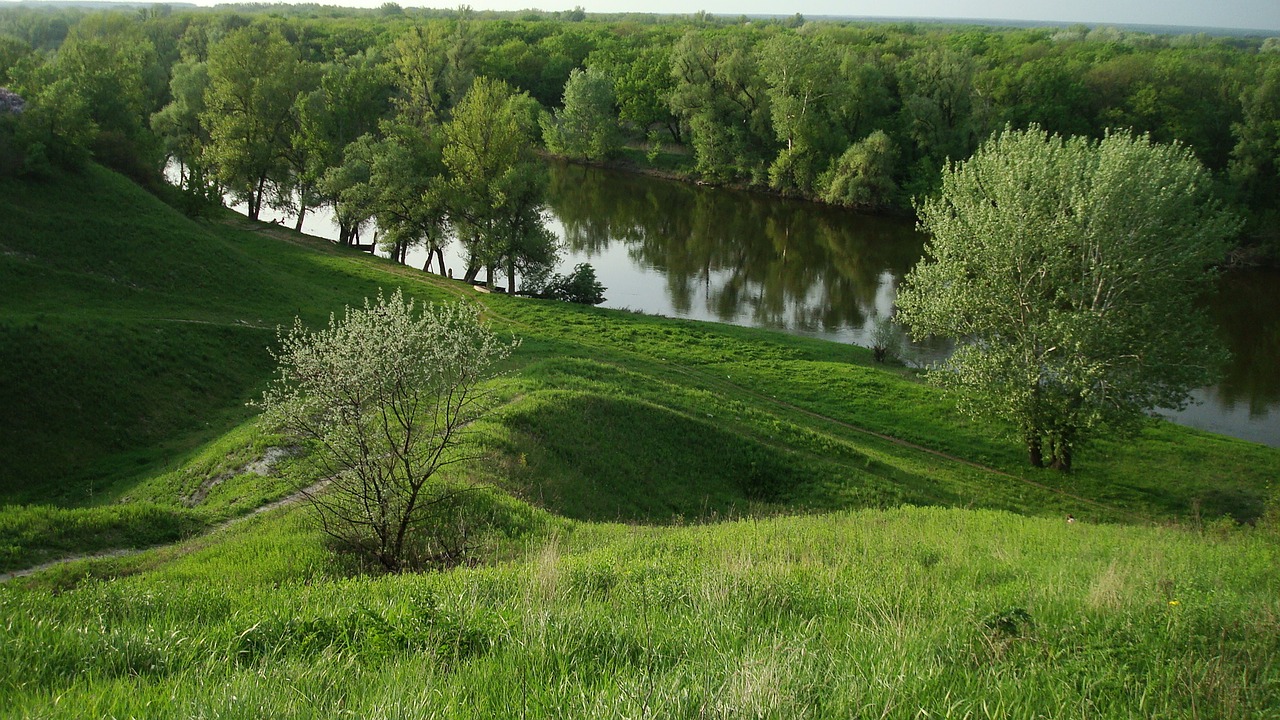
[[740, 257]]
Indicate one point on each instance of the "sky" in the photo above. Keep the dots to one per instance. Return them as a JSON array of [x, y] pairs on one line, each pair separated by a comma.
[[1237, 14]]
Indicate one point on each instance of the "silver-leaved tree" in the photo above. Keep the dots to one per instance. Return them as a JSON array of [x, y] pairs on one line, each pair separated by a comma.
[[1069, 273], [381, 398]]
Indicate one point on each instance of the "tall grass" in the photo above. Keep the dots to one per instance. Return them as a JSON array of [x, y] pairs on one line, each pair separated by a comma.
[[886, 613]]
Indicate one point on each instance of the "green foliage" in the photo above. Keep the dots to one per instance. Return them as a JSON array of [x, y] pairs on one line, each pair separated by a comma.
[[1066, 271], [587, 127], [255, 75], [863, 176], [55, 130], [496, 186], [579, 286], [1255, 160], [434, 68], [720, 96], [801, 73]]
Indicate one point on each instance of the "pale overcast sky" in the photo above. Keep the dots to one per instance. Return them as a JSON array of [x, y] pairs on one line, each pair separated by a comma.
[[1242, 14]]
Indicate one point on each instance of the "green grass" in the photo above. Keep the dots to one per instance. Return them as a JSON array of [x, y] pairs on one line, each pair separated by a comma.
[[966, 613], [675, 519]]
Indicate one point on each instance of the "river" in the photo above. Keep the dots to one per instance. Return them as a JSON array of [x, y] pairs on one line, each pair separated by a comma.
[[680, 250]]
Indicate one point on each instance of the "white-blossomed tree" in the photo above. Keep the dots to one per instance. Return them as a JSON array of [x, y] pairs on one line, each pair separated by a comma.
[[381, 397]]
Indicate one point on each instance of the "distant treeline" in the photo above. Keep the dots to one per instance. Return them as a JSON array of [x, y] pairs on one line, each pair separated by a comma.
[[858, 114]]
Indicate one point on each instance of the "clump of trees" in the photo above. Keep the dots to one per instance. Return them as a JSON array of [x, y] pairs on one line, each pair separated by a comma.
[[268, 105], [1067, 271], [381, 398]]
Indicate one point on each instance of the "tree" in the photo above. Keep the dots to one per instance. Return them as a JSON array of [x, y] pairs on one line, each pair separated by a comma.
[[178, 124], [406, 180], [433, 67], [802, 77], [579, 286], [863, 176], [496, 186], [721, 96], [587, 127], [1067, 271], [254, 78], [1255, 161], [381, 398], [352, 96]]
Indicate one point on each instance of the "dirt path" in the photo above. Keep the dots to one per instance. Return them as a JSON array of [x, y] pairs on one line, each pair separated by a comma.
[[291, 499]]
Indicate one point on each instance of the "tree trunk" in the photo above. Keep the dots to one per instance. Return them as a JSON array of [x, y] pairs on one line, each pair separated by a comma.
[[440, 258], [1062, 460], [488, 276], [511, 276], [1061, 455], [255, 200], [302, 213], [1034, 451]]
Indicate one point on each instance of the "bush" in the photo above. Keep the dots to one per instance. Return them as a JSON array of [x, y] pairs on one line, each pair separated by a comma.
[[382, 397], [580, 286]]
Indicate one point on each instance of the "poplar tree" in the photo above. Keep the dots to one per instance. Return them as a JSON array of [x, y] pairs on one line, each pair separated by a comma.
[[1068, 272]]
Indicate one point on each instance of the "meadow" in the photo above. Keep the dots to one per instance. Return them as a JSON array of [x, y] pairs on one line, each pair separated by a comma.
[[677, 519]]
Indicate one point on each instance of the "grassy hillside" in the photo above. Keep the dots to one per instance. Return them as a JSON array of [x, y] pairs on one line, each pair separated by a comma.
[[679, 520]]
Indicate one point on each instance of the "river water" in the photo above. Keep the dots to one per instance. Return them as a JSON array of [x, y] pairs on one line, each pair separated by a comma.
[[680, 250]]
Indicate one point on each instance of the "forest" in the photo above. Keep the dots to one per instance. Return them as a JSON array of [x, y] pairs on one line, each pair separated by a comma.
[[385, 114]]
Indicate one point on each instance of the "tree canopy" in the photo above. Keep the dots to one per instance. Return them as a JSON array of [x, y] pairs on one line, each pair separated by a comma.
[[1067, 271]]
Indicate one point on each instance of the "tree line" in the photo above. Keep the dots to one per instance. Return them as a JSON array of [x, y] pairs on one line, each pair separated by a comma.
[[425, 122]]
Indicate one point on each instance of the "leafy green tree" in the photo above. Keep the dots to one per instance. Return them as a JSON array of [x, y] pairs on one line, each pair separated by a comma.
[[863, 97], [1255, 160], [722, 97], [587, 126], [496, 185], [406, 177], [579, 286], [381, 398], [349, 189], [433, 66], [938, 108], [642, 84], [12, 51], [107, 60], [1067, 271], [1047, 91], [179, 126], [801, 74], [863, 176], [55, 129], [255, 76], [352, 96]]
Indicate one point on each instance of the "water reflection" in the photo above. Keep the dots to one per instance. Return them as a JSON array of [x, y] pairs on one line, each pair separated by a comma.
[[738, 257], [1246, 311]]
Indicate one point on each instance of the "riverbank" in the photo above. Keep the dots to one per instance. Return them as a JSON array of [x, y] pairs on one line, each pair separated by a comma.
[[150, 311]]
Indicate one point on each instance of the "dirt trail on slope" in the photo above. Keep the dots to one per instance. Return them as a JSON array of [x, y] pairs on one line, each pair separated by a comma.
[[291, 499]]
